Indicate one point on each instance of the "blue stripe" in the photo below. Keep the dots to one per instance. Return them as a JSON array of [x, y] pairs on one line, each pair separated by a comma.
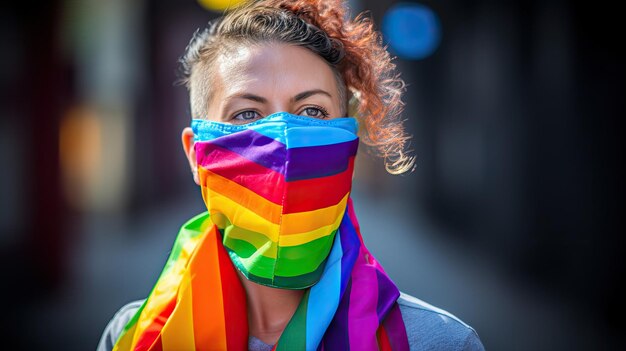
[[314, 131], [324, 298]]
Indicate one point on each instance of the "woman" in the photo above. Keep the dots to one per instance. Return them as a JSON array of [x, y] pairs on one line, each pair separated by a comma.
[[278, 262]]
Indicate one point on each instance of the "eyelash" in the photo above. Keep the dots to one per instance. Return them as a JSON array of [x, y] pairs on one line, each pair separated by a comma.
[[243, 120], [322, 110]]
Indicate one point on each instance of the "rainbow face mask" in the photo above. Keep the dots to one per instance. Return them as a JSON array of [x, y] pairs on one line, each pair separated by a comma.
[[277, 190]]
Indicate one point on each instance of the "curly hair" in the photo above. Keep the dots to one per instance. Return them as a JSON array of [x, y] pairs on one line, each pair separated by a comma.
[[366, 77]]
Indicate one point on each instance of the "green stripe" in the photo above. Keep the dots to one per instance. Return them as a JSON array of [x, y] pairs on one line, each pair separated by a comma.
[[249, 258], [132, 321], [239, 265], [257, 240], [301, 281], [189, 230], [293, 261], [305, 258], [294, 335]]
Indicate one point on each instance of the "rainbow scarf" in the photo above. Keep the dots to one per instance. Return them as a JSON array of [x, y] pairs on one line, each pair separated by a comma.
[[198, 302], [278, 194]]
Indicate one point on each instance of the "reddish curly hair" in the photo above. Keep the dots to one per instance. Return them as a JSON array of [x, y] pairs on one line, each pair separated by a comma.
[[352, 48]]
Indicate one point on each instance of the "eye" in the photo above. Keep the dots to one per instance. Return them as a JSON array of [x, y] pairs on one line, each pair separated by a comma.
[[246, 116], [315, 112]]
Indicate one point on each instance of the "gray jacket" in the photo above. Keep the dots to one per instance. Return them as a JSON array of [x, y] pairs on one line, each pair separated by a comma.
[[428, 328]]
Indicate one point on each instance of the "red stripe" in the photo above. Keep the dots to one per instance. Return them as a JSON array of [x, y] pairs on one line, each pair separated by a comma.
[[263, 181], [302, 195], [383, 339], [152, 332], [235, 310], [312, 194], [157, 345]]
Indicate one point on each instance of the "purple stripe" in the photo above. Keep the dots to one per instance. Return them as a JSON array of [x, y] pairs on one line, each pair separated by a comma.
[[363, 319], [337, 335], [350, 245], [396, 331], [319, 161], [254, 146], [387, 295]]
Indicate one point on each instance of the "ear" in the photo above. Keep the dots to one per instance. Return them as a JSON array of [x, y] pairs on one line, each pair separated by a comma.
[[190, 152]]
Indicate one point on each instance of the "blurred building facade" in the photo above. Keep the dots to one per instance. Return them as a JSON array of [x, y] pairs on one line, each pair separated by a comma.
[[514, 117]]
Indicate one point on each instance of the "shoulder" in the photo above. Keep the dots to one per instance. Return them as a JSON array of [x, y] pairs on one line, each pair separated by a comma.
[[431, 328], [117, 324], [428, 327]]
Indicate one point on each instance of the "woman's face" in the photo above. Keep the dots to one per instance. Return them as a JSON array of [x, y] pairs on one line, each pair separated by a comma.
[[256, 81]]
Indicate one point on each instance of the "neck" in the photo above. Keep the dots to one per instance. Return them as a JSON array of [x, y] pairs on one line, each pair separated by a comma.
[[269, 309]]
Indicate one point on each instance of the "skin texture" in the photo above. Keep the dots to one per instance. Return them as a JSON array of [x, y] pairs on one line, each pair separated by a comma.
[[252, 82]]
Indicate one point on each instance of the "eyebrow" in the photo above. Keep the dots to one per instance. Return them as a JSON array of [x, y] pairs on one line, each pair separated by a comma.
[[301, 96], [252, 97], [309, 93]]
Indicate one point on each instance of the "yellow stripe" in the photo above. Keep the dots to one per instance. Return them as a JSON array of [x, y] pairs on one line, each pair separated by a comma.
[[292, 223], [303, 238], [177, 334], [303, 222], [164, 290], [126, 340], [240, 216]]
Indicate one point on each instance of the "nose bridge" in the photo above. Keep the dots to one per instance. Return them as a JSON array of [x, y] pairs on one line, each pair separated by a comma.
[[278, 95], [279, 104]]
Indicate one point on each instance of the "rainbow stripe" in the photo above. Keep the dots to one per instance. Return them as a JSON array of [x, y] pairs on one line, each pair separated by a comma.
[[277, 189], [198, 303]]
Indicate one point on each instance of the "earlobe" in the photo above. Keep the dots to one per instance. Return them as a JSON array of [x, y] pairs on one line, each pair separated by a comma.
[[190, 152]]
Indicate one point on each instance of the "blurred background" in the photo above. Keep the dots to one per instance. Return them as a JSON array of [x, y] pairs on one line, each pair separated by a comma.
[[510, 221]]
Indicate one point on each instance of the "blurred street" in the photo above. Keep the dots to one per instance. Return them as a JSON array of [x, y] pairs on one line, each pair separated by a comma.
[[511, 219], [124, 258]]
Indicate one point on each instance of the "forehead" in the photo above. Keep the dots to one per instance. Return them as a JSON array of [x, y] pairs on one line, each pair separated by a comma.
[[272, 69]]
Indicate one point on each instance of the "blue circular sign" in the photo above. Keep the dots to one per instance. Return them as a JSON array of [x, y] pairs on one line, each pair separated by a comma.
[[412, 30]]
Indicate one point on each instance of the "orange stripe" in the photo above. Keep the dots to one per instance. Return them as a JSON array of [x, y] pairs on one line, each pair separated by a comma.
[[200, 283], [208, 306], [235, 309], [241, 195]]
